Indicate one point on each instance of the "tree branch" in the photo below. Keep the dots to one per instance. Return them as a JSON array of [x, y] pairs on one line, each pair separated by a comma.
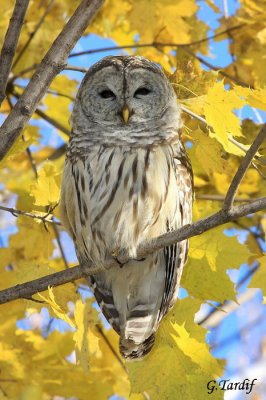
[[245, 163], [44, 116], [201, 119], [28, 289], [219, 70], [43, 218], [10, 44], [220, 197], [155, 44], [52, 121], [53, 62]]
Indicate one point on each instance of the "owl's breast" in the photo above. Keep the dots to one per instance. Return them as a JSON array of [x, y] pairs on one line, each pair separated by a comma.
[[122, 198]]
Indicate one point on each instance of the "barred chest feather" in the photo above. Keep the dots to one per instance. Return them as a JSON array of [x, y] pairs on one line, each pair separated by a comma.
[[122, 198]]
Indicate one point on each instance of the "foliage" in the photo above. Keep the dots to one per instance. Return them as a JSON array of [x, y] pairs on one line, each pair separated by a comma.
[[83, 361]]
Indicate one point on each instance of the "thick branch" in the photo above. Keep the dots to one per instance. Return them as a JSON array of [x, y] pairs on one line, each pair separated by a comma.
[[245, 163], [10, 43], [28, 289], [53, 62]]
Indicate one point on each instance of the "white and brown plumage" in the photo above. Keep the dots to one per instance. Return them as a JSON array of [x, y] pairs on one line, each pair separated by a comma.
[[127, 179]]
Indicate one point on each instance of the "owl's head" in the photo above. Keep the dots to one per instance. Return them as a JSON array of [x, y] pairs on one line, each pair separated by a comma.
[[126, 93]]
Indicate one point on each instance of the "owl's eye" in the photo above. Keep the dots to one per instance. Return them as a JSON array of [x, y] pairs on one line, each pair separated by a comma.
[[107, 94], [142, 91]]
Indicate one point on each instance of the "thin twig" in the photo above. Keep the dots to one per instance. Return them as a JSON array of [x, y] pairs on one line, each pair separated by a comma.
[[69, 275], [43, 218], [53, 63], [59, 243], [220, 197], [245, 163], [46, 117], [31, 36], [54, 92], [219, 70], [201, 119], [23, 72], [28, 151], [215, 316], [31, 159], [52, 121], [109, 344], [58, 152], [10, 44], [155, 44], [74, 68]]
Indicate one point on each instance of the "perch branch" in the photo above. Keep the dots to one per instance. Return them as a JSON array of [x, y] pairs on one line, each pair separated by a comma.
[[53, 63], [28, 289], [10, 43]]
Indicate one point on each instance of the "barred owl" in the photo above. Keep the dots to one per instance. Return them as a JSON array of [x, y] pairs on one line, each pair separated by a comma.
[[127, 179]]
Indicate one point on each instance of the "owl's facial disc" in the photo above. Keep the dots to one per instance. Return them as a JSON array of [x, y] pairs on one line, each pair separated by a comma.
[[119, 95]]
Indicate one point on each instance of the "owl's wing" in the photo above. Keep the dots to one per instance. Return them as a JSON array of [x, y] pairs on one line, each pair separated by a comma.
[[176, 255]]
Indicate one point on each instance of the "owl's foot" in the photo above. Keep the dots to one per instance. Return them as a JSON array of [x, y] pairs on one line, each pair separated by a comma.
[[117, 255], [121, 264]]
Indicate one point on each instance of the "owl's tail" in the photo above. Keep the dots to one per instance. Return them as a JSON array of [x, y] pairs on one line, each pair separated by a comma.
[[132, 351]]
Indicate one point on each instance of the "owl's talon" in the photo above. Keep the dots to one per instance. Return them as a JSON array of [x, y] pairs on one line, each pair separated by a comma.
[[119, 262]]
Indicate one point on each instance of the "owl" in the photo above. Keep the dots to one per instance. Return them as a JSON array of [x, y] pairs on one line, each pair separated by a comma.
[[127, 179]]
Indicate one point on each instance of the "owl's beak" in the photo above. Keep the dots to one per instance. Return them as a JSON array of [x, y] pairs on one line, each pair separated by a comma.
[[125, 114]]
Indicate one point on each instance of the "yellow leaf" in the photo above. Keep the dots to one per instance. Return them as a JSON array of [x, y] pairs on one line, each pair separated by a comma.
[[9, 360], [263, 224], [29, 136], [259, 278], [215, 286], [64, 85], [56, 308], [181, 349], [221, 251], [254, 97], [218, 110], [211, 255], [47, 189], [199, 182], [39, 247], [32, 392], [209, 150], [160, 21], [58, 108], [248, 186], [213, 6], [80, 337], [196, 350]]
